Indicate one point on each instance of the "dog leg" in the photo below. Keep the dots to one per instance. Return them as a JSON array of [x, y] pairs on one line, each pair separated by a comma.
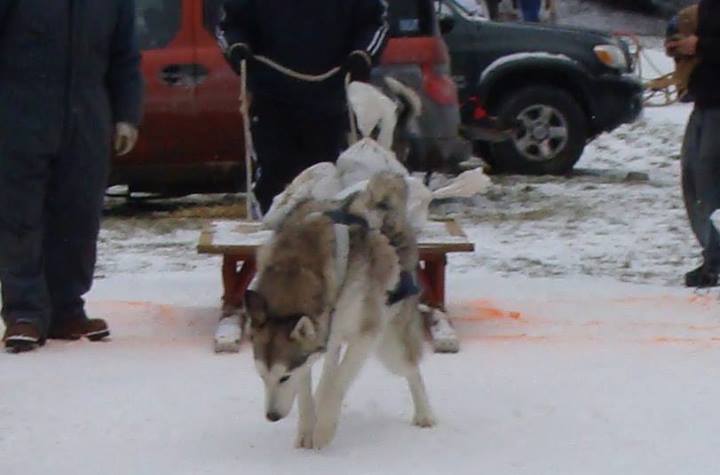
[[423, 413], [333, 386], [306, 408], [332, 359]]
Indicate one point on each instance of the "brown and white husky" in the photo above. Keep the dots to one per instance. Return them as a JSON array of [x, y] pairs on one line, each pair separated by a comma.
[[323, 287]]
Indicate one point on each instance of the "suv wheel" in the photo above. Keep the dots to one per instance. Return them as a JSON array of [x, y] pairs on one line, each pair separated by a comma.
[[551, 132]]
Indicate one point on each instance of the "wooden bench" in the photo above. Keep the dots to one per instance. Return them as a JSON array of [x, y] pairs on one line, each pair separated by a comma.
[[238, 242]]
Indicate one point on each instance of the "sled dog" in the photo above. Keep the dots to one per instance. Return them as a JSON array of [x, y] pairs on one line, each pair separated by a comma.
[[325, 287]]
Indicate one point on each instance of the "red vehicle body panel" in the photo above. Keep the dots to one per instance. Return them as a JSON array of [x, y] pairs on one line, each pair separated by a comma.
[[191, 135]]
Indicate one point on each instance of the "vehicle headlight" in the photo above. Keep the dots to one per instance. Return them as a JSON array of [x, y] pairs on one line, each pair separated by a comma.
[[611, 56]]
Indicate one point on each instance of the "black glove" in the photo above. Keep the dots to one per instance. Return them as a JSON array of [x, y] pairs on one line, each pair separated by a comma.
[[238, 53], [358, 66]]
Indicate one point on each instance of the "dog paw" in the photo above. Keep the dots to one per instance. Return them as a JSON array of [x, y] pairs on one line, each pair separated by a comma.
[[324, 433], [304, 440], [424, 420]]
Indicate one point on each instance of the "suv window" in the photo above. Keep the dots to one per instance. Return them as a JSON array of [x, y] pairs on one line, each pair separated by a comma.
[[211, 14], [157, 22], [410, 18]]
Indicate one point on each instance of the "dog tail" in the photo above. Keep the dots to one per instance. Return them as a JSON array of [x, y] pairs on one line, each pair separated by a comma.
[[411, 102]]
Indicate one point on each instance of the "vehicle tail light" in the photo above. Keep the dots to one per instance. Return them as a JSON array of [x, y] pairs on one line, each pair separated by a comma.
[[438, 84], [478, 111]]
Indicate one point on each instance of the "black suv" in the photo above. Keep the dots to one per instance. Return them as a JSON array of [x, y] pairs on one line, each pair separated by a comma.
[[554, 88]]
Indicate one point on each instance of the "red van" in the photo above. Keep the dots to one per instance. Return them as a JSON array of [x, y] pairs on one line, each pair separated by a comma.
[[191, 136]]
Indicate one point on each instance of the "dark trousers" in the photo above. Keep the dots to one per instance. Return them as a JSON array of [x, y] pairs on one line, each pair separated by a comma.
[[50, 207], [531, 10], [701, 180], [288, 140]]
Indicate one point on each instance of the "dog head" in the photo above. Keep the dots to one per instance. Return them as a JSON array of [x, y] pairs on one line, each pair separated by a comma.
[[285, 348]]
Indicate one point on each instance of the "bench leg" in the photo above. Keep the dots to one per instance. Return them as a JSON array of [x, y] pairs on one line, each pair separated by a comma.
[[236, 281], [229, 332], [432, 277]]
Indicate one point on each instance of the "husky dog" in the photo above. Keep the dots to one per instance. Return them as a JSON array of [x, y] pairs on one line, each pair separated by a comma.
[[323, 286], [383, 203], [407, 130], [389, 113]]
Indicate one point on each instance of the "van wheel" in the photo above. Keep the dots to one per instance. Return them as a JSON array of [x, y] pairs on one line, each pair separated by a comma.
[[551, 132]]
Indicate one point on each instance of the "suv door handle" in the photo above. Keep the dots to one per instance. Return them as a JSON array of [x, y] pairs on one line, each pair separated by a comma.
[[187, 75]]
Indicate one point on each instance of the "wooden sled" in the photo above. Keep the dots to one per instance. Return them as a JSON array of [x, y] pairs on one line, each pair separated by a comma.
[[238, 242]]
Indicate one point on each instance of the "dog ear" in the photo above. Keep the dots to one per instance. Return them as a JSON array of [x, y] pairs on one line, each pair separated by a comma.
[[304, 331], [256, 307]]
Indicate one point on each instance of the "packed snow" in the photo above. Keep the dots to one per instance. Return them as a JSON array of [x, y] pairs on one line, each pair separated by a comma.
[[580, 351]]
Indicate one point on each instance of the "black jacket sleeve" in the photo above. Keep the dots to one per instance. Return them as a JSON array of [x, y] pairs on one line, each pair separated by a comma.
[[708, 48], [235, 28], [125, 82], [371, 28], [5, 7]]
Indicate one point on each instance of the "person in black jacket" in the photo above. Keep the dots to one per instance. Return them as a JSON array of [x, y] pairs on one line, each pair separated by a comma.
[[701, 148], [297, 123], [70, 89]]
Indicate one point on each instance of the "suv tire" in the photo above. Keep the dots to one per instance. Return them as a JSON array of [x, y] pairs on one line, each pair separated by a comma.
[[551, 136]]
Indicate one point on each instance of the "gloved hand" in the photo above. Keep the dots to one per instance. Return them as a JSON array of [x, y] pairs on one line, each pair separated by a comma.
[[238, 53], [126, 136], [686, 46], [358, 65]]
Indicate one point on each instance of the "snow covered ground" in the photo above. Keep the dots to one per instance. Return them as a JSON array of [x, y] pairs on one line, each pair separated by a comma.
[[581, 353], [620, 216]]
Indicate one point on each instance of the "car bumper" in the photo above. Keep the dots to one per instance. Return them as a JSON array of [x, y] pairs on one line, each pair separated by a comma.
[[618, 100]]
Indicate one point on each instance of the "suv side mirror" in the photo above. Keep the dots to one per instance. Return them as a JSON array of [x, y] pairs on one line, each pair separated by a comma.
[[445, 16]]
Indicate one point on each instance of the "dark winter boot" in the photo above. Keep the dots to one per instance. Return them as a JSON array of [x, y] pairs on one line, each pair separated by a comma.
[[20, 337], [701, 277], [94, 329]]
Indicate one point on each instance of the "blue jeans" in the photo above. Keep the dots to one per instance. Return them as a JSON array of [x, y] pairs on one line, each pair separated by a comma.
[[531, 10]]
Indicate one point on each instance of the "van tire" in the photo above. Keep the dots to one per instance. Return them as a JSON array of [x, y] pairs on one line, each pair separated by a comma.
[[552, 132]]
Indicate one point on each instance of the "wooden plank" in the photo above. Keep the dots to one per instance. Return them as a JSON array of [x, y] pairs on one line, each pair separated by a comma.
[[439, 248], [226, 238], [441, 237], [205, 242], [242, 252]]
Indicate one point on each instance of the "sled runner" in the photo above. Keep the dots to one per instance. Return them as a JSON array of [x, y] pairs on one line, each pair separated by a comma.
[[237, 242]]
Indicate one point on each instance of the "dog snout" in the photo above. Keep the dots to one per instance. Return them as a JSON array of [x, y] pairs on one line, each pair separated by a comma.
[[273, 416]]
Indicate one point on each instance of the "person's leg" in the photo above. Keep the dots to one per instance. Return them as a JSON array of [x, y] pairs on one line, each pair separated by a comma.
[[492, 8], [689, 158], [23, 180], [700, 172], [274, 137], [531, 10], [708, 186], [323, 138], [74, 207]]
